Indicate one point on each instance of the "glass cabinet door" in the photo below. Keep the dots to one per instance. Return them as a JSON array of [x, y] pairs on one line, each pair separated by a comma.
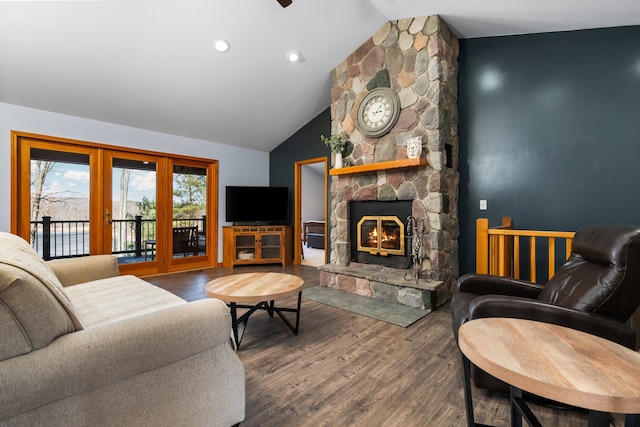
[[245, 247], [270, 246]]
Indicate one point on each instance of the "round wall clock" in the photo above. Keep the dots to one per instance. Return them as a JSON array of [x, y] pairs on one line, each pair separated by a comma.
[[378, 112]]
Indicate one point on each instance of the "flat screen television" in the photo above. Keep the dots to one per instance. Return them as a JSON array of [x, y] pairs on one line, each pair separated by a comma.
[[257, 205]]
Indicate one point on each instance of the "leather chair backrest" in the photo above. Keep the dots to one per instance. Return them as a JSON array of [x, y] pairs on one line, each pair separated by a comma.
[[602, 275]]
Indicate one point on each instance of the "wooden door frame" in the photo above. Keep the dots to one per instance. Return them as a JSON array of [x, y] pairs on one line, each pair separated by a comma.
[[20, 207], [297, 203], [21, 145], [211, 231], [157, 264]]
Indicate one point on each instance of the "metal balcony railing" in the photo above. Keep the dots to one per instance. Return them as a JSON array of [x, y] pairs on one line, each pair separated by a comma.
[[55, 239]]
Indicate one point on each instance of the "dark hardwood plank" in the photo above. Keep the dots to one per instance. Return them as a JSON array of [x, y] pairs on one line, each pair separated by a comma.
[[344, 369]]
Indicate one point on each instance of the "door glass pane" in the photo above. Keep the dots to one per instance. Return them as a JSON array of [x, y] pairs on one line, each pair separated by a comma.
[[270, 244], [189, 208], [245, 247], [133, 210], [59, 203]]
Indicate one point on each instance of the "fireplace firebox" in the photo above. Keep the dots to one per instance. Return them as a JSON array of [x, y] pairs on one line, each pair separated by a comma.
[[381, 235], [378, 232]]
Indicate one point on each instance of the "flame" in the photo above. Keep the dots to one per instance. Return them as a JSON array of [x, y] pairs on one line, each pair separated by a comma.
[[373, 236]]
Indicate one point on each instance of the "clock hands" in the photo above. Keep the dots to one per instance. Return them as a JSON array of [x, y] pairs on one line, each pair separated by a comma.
[[378, 111]]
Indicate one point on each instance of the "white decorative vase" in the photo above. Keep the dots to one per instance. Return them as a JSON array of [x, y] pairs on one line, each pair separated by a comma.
[[338, 162], [414, 147]]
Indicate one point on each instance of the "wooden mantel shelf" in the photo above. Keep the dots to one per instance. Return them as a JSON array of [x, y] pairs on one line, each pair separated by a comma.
[[380, 166]]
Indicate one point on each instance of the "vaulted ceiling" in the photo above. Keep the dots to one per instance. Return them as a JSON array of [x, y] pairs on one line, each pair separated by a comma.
[[151, 64]]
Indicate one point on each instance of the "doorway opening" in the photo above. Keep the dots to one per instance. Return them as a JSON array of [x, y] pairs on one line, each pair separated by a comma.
[[310, 219]]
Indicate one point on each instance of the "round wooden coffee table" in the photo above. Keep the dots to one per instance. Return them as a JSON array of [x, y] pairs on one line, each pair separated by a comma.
[[256, 291]]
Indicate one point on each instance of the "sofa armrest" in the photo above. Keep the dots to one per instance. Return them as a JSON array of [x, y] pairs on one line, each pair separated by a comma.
[[105, 354], [521, 308], [485, 284], [71, 271]]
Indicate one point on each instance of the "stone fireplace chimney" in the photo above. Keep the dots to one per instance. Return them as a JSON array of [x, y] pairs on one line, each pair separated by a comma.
[[416, 58]]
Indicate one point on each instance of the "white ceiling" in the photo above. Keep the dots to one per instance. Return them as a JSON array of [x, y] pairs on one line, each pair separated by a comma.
[[150, 64]]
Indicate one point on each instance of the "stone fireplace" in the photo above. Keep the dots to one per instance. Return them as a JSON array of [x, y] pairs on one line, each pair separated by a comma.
[[417, 58]]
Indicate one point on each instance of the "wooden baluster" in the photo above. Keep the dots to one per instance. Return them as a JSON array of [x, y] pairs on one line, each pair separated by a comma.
[[493, 254], [482, 245], [532, 258], [507, 252], [552, 257], [516, 257], [501, 256]]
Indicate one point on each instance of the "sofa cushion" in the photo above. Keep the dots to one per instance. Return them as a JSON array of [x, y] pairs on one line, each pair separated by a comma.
[[71, 271], [18, 253], [30, 315], [33, 307], [116, 298]]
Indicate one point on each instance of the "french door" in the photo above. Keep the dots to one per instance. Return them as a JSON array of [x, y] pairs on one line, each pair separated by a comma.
[[150, 210], [132, 226]]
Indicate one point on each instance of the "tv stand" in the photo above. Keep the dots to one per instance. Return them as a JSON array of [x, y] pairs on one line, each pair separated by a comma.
[[256, 244]]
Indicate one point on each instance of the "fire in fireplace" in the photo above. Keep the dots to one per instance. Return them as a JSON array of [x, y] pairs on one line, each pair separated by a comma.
[[381, 235], [378, 232]]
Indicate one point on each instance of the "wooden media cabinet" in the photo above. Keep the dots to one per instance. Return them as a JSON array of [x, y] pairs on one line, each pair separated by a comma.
[[256, 244]]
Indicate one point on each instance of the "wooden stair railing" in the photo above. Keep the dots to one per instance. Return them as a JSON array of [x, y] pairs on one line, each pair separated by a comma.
[[498, 248]]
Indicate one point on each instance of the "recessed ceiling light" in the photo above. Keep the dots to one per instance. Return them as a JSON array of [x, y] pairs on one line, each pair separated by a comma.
[[294, 56], [221, 45]]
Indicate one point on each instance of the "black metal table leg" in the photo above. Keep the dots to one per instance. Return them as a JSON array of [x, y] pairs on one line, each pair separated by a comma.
[[270, 308], [234, 323], [599, 419], [632, 420], [468, 400], [291, 310], [298, 312], [239, 325], [520, 409]]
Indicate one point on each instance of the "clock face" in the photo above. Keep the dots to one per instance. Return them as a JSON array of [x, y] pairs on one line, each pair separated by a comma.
[[378, 112]]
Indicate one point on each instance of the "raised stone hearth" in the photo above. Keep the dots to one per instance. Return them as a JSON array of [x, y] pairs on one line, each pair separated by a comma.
[[417, 58], [384, 283]]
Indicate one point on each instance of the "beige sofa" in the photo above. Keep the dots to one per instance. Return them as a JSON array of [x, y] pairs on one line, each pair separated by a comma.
[[82, 346]]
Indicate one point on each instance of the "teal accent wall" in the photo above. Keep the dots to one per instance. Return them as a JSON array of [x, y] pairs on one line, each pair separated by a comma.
[[549, 131], [302, 145]]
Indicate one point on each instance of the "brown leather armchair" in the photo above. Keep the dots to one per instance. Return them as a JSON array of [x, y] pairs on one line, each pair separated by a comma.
[[595, 291]]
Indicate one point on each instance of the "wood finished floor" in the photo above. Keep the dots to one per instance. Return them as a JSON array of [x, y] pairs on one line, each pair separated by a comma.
[[344, 369]]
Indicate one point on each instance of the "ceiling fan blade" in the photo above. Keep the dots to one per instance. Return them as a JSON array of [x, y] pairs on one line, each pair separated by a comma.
[[285, 3]]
